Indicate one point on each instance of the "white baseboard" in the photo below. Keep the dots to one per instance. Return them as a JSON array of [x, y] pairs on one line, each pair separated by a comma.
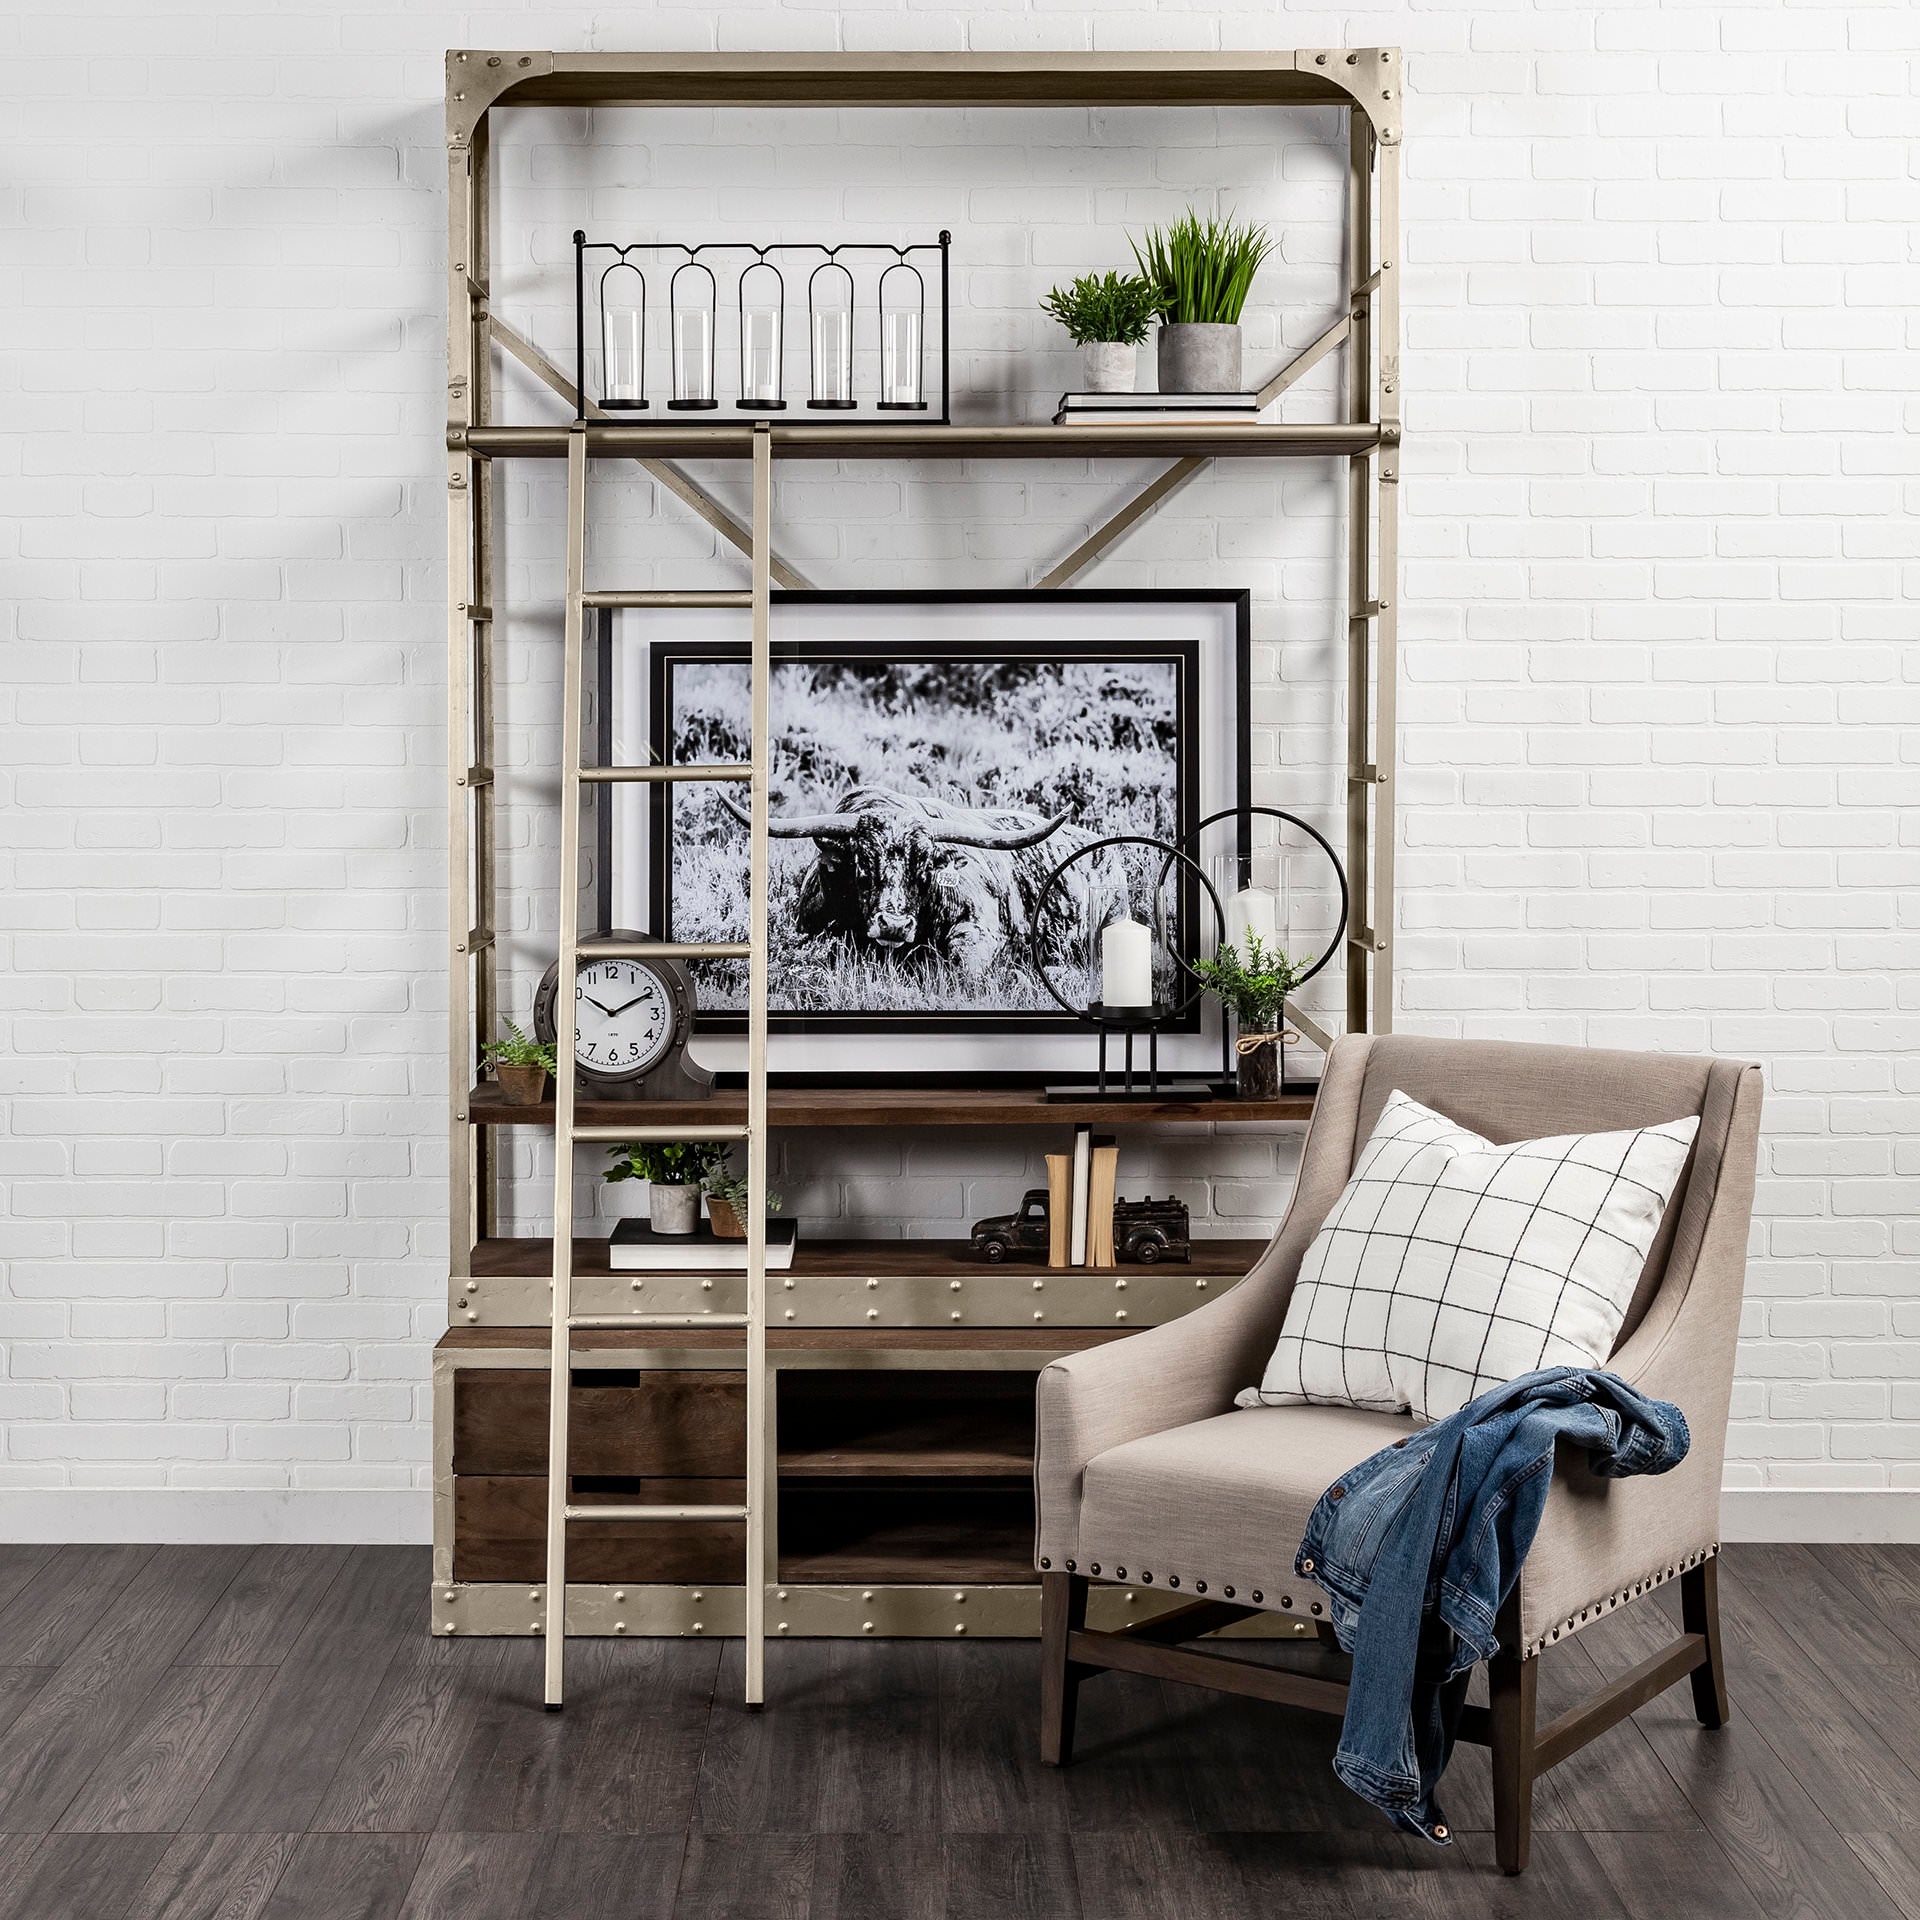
[[219, 1516], [1884, 1514], [404, 1517]]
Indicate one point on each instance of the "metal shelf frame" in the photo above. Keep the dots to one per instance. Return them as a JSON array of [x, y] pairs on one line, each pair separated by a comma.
[[1364, 83]]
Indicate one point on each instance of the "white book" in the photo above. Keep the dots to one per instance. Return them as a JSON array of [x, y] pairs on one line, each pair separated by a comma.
[[1100, 402], [634, 1247], [1114, 417], [1082, 1180]]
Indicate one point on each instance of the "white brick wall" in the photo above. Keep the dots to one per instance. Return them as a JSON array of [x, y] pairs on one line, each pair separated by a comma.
[[1660, 695]]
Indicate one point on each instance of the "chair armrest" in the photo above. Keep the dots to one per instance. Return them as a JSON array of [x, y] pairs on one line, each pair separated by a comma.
[[1187, 1370], [1601, 1541]]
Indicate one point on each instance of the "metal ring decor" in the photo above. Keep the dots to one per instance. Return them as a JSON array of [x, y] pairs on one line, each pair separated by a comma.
[[1315, 835], [1052, 882]]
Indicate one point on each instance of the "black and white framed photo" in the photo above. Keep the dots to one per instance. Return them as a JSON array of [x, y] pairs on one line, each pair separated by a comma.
[[935, 756]]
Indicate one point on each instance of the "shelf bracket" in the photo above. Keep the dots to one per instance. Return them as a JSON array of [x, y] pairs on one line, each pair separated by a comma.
[[669, 476]]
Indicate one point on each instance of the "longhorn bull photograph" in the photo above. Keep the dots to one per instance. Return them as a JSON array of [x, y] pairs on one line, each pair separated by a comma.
[[919, 803]]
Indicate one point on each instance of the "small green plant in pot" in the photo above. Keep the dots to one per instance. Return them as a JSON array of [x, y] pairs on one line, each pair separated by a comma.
[[1256, 989], [675, 1171], [1108, 315], [521, 1065], [727, 1202], [1200, 273]]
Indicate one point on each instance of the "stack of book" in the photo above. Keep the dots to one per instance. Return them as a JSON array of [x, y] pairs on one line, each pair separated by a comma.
[[636, 1248], [1080, 1191], [1158, 410]]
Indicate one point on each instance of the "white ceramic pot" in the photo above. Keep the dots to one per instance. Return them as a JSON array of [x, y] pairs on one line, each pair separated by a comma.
[[1110, 365], [673, 1209]]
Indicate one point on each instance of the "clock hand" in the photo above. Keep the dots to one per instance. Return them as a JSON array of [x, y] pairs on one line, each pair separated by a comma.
[[614, 1013], [608, 1011]]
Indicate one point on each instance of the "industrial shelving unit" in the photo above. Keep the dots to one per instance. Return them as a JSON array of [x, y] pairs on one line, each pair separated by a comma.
[[888, 1368]]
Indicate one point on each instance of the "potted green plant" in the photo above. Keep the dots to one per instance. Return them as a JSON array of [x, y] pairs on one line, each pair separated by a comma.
[[1108, 315], [727, 1202], [1200, 273], [674, 1171], [521, 1066], [1256, 988]]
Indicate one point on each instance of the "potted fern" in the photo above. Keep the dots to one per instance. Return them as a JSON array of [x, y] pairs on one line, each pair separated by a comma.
[[675, 1171], [521, 1066], [1107, 315], [727, 1202], [1200, 273], [1255, 987]]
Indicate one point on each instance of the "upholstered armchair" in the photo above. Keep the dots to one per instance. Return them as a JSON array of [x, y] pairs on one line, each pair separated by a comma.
[[1147, 1476]]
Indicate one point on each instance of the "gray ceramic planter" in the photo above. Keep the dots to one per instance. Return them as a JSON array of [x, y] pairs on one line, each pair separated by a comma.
[[1199, 356], [1109, 366]]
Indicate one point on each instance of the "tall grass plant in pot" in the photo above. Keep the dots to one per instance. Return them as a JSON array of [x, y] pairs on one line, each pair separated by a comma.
[[1107, 316], [1200, 273]]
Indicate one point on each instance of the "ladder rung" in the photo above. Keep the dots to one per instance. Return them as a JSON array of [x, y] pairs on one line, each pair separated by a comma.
[[656, 1513], [617, 1320], [658, 775], [626, 1132], [655, 597], [664, 950]]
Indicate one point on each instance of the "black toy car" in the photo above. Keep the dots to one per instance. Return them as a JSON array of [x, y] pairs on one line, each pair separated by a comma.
[[1004, 1234], [1144, 1231]]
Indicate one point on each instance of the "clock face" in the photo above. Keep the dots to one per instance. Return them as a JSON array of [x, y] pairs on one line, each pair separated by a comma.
[[625, 1017]]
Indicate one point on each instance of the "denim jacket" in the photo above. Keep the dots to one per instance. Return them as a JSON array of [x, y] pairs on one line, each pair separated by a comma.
[[1418, 1547]]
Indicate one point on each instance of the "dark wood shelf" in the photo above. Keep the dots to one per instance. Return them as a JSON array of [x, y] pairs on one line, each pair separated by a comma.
[[929, 1106], [855, 1259], [862, 1426], [533, 1339], [837, 1536]]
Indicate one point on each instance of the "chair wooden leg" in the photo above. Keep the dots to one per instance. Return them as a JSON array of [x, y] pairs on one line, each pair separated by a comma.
[[1700, 1613], [1063, 1610], [1511, 1688]]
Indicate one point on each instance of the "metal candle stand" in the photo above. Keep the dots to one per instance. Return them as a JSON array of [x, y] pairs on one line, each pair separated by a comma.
[[1128, 1021], [897, 300]]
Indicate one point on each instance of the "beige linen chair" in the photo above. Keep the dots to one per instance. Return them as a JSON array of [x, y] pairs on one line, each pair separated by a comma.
[[1147, 1476]]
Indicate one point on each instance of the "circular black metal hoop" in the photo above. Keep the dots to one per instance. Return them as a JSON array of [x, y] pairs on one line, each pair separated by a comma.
[[1051, 883], [1316, 836]]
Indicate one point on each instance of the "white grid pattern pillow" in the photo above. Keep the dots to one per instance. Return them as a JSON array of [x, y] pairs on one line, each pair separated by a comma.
[[1449, 1265]]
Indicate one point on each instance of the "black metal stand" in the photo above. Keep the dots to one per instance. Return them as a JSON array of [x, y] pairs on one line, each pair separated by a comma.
[[1127, 1022]]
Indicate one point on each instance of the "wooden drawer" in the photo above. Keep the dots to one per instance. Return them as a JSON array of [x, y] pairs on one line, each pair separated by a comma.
[[691, 1425], [500, 1532]]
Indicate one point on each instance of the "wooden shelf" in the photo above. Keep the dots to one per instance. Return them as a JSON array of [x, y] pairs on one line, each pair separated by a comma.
[[533, 1339], [856, 1259], [930, 1106], [862, 1426], [837, 1535], [876, 441]]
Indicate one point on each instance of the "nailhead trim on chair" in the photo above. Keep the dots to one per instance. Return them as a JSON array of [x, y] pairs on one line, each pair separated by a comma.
[[1574, 1622]]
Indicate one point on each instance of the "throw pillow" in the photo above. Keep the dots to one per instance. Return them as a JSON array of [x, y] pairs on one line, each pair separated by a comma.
[[1449, 1265]]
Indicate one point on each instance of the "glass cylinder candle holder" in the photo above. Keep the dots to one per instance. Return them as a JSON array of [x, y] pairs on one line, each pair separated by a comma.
[[762, 313], [693, 336], [903, 313], [623, 331], [830, 317]]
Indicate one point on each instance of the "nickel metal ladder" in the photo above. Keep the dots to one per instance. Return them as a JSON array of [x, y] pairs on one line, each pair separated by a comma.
[[567, 1134]]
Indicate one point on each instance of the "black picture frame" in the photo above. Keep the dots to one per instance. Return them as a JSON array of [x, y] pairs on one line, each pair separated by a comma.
[[662, 657]]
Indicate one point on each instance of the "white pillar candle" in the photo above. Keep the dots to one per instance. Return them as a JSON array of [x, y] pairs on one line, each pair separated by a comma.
[[1252, 912], [1126, 965]]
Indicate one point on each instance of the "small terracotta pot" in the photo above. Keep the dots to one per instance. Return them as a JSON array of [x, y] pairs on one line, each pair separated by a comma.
[[727, 1225], [521, 1086], [1258, 1072]]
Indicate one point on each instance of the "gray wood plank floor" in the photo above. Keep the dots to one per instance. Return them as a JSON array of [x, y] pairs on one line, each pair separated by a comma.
[[217, 1733]]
